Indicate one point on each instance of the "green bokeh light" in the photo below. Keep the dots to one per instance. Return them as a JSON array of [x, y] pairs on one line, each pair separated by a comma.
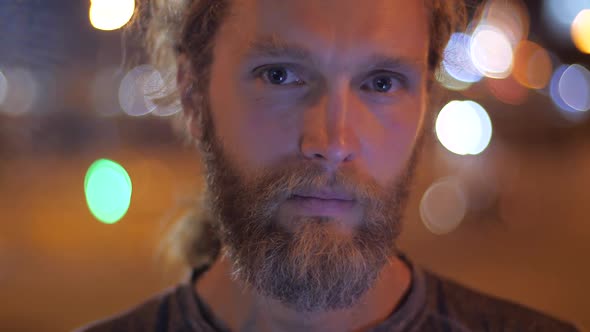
[[107, 187]]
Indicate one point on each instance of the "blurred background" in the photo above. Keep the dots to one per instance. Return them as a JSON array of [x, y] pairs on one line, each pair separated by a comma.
[[92, 172]]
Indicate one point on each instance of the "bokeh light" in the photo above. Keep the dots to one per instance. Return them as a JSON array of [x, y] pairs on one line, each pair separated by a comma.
[[491, 52], [560, 15], [161, 86], [485, 126], [107, 188], [443, 206], [133, 89], [457, 60], [554, 91], [3, 88], [110, 14], [574, 87], [581, 31], [532, 65], [449, 82], [464, 127], [146, 90], [509, 16], [21, 91]]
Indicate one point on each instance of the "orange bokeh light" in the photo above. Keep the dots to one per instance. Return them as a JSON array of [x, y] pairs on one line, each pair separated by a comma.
[[581, 31], [532, 65]]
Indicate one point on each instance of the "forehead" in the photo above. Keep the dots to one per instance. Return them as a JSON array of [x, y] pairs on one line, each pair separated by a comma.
[[331, 28]]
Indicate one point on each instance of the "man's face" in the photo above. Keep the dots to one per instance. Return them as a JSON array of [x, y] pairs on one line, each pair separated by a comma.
[[315, 110]]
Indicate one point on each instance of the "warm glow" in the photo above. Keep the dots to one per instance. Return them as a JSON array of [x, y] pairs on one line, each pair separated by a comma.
[[110, 14], [581, 31], [532, 65]]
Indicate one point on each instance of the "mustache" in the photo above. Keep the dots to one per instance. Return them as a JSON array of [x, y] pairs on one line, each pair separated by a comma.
[[282, 181]]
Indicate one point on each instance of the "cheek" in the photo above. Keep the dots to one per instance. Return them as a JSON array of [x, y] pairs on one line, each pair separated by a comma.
[[251, 130], [392, 145], [271, 136]]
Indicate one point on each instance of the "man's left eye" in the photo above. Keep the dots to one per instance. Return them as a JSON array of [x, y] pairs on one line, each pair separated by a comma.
[[383, 83]]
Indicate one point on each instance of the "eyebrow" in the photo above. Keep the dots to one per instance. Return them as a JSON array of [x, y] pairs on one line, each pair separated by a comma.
[[376, 61], [274, 47]]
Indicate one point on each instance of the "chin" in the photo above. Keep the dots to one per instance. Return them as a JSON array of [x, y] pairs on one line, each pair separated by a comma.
[[334, 226]]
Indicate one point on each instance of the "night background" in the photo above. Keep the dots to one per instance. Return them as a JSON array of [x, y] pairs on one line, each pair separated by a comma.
[[92, 173]]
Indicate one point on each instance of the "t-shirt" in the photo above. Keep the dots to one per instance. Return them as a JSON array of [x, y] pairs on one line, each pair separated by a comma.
[[431, 304]]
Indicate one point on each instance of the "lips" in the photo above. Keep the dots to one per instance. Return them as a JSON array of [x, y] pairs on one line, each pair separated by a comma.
[[322, 202], [325, 195], [321, 207], [322, 198]]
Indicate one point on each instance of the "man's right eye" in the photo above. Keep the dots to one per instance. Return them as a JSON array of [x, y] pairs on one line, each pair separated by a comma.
[[278, 75]]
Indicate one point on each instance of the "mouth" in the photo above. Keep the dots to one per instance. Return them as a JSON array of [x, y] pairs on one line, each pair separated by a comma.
[[322, 198], [321, 206]]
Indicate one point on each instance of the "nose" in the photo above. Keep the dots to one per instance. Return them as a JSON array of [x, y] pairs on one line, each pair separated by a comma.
[[330, 134]]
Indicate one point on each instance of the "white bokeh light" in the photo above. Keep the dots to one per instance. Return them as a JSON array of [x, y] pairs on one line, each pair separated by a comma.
[[464, 127], [445, 79], [158, 86], [141, 89], [132, 91], [443, 206], [110, 14], [491, 52], [457, 60], [485, 127]]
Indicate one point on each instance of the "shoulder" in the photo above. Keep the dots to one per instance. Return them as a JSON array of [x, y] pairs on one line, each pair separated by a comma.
[[452, 304], [162, 312]]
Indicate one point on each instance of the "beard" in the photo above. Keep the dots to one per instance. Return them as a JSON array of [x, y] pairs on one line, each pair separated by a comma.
[[309, 268]]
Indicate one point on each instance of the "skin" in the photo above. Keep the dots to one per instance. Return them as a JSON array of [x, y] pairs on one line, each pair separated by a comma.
[[329, 112]]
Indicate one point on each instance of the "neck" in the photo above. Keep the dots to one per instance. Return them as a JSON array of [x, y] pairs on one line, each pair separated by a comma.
[[240, 309]]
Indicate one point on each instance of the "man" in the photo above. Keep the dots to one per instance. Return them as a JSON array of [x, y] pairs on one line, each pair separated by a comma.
[[309, 116]]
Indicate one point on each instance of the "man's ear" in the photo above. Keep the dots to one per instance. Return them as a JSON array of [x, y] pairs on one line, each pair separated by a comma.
[[185, 84]]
